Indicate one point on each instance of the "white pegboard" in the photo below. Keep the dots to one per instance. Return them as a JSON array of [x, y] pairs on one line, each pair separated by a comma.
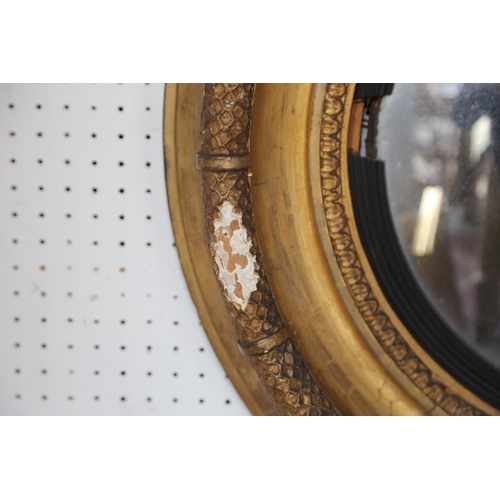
[[95, 316]]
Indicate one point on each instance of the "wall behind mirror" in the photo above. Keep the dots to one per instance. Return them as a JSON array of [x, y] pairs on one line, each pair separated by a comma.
[[95, 315]]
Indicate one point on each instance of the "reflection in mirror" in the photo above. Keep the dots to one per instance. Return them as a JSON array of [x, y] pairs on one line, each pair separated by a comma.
[[441, 148]]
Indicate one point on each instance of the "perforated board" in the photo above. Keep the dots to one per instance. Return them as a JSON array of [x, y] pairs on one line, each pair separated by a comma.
[[95, 315]]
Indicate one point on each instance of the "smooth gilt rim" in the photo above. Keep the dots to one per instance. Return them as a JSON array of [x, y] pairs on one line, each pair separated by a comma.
[[338, 356]]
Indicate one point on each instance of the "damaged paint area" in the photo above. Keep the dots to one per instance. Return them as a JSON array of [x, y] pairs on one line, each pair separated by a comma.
[[233, 257]]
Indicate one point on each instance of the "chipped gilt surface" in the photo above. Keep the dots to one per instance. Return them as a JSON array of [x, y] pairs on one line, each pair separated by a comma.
[[231, 248]]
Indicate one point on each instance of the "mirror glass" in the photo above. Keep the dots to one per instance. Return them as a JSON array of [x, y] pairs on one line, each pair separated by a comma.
[[441, 147]]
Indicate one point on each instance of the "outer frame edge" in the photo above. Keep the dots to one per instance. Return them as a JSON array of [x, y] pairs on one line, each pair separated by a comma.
[[182, 109]]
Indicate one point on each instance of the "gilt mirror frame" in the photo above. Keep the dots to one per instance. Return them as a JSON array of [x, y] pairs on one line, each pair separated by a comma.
[[340, 331]]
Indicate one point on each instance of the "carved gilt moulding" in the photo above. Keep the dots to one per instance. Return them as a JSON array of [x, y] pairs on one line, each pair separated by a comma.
[[331, 343]]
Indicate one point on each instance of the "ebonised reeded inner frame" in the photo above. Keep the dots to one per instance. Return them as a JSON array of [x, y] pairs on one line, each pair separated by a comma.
[[399, 285]]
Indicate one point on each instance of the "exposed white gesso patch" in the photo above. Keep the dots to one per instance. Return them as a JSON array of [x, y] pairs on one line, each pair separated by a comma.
[[232, 254]]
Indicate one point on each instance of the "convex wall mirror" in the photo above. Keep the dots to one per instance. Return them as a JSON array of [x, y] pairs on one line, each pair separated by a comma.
[[340, 241]]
